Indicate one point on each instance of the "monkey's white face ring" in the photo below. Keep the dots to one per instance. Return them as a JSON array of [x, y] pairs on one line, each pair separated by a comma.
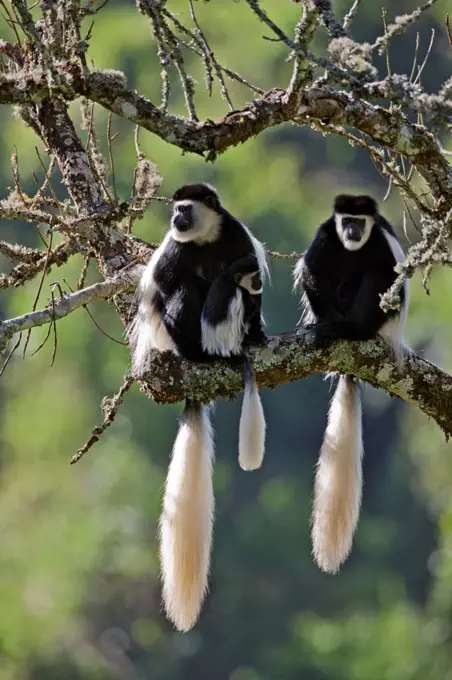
[[205, 223], [353, 244]]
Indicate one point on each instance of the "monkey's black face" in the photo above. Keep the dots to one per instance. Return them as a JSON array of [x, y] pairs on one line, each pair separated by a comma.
[[195, 221], [183, 216], [353, 228]]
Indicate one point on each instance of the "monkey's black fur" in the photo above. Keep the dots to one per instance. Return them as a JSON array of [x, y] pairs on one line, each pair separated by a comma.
[[195, 280], [343, 287], [355, 205]]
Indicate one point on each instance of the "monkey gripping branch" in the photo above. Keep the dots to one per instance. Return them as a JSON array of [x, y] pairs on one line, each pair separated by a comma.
[[45, 67]]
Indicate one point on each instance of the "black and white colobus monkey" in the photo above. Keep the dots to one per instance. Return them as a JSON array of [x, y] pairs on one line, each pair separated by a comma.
[[348, 266], [200, 296]]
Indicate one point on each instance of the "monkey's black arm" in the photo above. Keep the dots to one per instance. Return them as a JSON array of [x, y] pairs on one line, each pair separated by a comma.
[[317, 278], [362, 320], [224, 288], [182, 319], [221, 292]]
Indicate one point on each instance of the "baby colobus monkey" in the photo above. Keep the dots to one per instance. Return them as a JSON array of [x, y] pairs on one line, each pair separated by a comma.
[[200, 296], [347, 267]]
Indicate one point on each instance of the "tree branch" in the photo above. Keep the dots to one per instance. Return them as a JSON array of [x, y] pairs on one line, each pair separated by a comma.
[[69, 303], [27, 270], [289, 357], [319, 104]]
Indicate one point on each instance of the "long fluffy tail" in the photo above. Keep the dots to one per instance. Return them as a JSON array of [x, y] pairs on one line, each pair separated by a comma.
[[252, 423], [186, 522], [338, 482]]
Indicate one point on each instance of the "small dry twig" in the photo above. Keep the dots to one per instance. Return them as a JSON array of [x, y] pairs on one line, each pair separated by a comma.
[[109, 408]]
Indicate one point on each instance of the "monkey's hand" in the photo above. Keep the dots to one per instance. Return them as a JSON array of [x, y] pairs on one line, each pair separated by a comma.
[[323, 333], [255, 337], [320, 334]]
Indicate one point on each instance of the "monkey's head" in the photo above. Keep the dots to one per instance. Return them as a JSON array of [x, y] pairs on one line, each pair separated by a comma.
[[354, 218], [247, 275], [197, 214]]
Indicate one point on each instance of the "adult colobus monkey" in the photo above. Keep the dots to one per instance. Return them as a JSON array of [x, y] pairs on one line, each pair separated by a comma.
[[348, 266], [200, 296]]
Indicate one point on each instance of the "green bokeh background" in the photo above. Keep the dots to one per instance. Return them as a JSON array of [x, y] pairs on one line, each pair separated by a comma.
[[79, 589]]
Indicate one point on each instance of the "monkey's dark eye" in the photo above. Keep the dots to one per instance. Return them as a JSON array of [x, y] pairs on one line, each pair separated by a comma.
[[184, 209]]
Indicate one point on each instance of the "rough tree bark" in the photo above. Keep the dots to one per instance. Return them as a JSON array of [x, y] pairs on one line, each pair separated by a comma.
[[42, 74]]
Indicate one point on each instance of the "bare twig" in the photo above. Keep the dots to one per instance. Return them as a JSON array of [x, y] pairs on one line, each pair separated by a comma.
[[263, 16], [53, 325], [416, 51], [48, 180], [429, 49], [112, 162], [196, 46], [351, 15], [448, 29], [8, 358], [211, 57], [169, 47], [38, 293], [334, 28], [304, 33], [110, 408], [99, 328], [83, 273]]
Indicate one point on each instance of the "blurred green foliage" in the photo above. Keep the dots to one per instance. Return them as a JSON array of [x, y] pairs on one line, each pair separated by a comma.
[[79, 590]]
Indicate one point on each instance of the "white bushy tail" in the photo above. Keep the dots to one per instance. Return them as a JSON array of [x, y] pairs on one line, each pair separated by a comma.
[[252, 423], [338, 482], [186, 522]]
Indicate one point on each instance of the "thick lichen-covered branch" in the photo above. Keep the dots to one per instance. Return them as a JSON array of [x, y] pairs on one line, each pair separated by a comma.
[[326, 104], [289, 357]]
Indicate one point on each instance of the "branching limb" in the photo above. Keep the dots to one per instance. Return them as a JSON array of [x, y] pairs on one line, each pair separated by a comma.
[[17, 252], [389, 128], [36, 262], [334, 28], [67, 304], [401, 24], [304, 34]]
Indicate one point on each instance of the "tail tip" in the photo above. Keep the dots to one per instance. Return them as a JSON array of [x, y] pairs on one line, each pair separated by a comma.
[[327, 562], [249, 466], [183, 623], [326, 565], [183, 615]]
